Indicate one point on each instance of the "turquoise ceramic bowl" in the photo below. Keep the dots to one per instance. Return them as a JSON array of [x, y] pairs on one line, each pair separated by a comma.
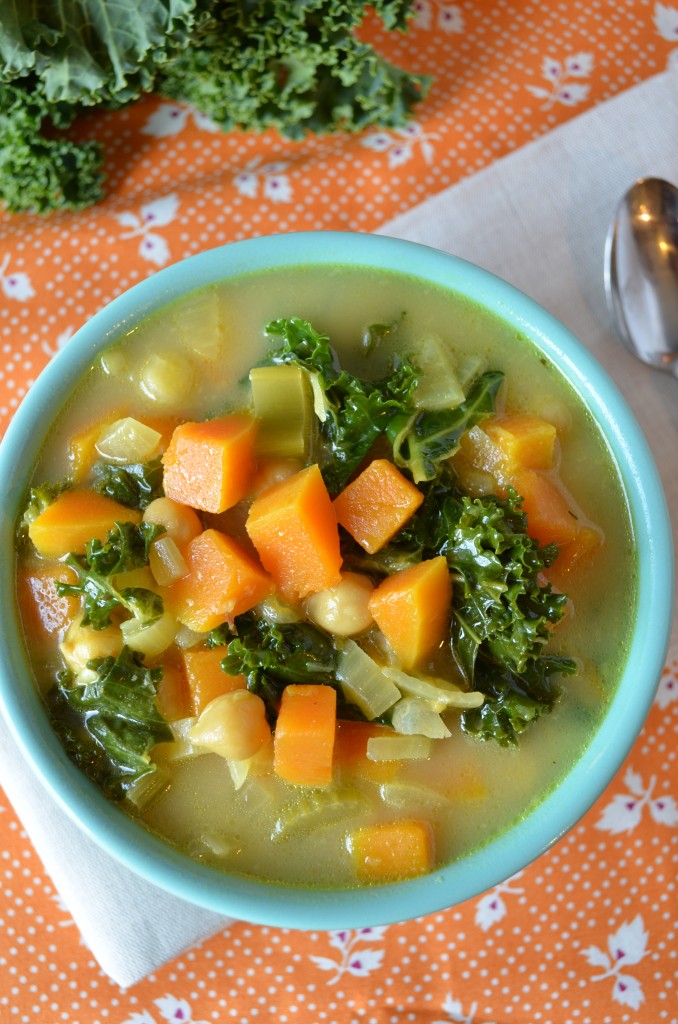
[[513, 850]]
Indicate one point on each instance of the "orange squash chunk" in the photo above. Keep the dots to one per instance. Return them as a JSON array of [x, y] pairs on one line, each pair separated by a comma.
[[75, 517], [412, 609], [303, 742], [294, 529], [171, 696], [392, 850], [549, 518], [586, 540], [375, 505], [350, 750], [44, 611], [209, 465], [525, 441], [223, 581], [206, 679]]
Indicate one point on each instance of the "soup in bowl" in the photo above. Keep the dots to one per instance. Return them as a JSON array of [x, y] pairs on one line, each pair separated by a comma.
[[336, 579]]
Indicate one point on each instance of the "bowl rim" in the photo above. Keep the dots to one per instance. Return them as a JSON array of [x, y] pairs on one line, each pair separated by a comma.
[[500, 858]]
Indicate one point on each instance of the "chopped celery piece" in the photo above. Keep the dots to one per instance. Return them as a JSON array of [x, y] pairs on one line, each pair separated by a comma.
[[363, 682], [408, 794], [398, 748], [318, 808], [283, 405], [438, 692], [438, 386], [412, 716]]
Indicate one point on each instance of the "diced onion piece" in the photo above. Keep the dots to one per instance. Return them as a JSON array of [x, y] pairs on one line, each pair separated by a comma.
[[412, 716], [438, 386], [128, 440], [166, 561], [150, 638], [343, 610], [398, 748], [239, 770], [166, 380], [438, 692], [407, 794], [199, 323], [363, 682], [187, 638], [218, 843], [233, 725]]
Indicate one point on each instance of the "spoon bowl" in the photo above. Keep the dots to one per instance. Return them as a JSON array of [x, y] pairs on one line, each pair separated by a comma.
[[641, 272]]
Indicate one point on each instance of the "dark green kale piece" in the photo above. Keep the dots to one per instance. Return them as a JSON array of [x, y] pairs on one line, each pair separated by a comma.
[[271, 655], [126, 548], [425, 438], [295, 67], [134, 484], [513, 700], [110, 724]]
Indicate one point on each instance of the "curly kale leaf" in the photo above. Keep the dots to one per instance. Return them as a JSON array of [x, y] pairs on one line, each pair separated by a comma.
[[271, 655], [515, 700], [425, 438], [109, 725], [134, 485], [357, 412], [41, 168], [91, 52], [296, 67], [126, 548]]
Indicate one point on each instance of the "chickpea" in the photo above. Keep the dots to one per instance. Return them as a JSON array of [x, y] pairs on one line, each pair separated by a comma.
[[181, 523], [233, 725], [343, 610], [166, 380], [82, 644], [273, 471]]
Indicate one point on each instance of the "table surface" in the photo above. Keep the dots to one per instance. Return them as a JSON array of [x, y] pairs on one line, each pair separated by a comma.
[[587, 933]]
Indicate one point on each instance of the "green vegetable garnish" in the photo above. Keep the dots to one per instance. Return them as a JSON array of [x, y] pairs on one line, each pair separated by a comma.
[[126, 548], [260, 64], [134, 485], [109, 725]]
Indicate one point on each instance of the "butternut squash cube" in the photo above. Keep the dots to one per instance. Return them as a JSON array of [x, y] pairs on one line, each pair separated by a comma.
[[412, 609], [375, 505]]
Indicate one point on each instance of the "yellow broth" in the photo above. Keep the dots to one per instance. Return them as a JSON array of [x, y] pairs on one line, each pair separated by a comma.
[[469, 790]]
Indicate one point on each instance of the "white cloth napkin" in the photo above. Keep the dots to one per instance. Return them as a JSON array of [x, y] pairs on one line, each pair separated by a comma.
[[538, 218]]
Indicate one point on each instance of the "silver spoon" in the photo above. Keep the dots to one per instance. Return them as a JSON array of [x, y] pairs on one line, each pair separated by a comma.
[[641, 272]]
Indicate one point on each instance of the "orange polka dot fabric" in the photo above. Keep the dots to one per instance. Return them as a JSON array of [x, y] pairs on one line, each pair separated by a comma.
[[585, 935]]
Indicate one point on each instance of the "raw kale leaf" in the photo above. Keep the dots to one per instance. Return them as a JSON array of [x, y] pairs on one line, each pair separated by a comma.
[[126, 548], [91, 51], [253, 64], [271, 655], [40, 168], [514, 701], [425, 438], [296, 67], [357, 412], [109, 725], [134, 484]]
